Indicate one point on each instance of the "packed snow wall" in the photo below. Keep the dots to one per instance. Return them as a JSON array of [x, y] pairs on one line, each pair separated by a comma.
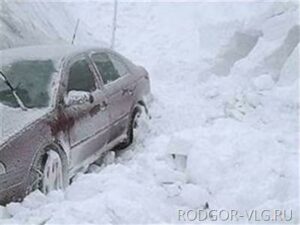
[[47, 22]]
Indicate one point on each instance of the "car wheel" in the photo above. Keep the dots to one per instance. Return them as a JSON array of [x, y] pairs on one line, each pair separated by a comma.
[[47, 173], [52, 173], [132, 128]]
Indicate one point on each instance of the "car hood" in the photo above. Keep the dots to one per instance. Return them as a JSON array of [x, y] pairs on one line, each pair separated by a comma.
[[14, 120]]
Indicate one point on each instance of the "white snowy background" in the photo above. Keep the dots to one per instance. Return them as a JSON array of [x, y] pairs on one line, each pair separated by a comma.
[[224, 78]]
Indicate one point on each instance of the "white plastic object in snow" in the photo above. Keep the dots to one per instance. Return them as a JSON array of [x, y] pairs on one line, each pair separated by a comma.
[[178, 148], [3, 213]]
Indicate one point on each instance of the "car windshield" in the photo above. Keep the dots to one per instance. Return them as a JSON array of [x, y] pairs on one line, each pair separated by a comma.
[[31, 80]]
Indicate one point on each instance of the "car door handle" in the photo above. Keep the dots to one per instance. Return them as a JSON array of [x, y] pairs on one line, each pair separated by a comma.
[[95, 110], [103, 106], [126, 91], [130, 92], [99, 107]]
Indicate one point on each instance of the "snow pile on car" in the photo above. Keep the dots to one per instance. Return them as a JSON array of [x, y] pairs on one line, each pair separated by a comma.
[[224, 128]]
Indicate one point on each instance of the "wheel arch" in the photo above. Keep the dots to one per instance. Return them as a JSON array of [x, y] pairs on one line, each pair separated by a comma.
[[142, 104]]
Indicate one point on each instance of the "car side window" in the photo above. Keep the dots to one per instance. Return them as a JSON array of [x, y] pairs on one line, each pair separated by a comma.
[[119, 65], [105, 66], [81, 77]]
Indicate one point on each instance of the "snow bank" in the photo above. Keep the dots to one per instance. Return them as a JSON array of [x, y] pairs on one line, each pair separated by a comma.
[[239, 132], [33, 23]]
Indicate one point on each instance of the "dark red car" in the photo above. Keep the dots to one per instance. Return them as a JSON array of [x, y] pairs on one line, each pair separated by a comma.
[[61, 108]]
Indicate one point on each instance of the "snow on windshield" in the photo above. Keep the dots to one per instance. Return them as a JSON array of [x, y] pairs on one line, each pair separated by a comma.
[[31, 80]]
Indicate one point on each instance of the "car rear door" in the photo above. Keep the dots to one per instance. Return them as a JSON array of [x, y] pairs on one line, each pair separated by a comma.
[[118, 90], [89, 132]]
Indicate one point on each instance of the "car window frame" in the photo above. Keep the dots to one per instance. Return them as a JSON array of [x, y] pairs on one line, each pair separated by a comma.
[[87, 84], [65, 71], [118, 58], [91, 54]]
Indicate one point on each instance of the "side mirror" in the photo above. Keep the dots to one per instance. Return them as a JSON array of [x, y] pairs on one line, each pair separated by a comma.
[[78, 98]]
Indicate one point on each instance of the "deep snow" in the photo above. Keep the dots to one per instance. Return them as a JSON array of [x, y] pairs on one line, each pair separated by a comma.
[[225, 85]]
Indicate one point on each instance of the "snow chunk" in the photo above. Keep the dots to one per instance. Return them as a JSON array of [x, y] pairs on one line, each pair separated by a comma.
[[264, 82], [3, 213]]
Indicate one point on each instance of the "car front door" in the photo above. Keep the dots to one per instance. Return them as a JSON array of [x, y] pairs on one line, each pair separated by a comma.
[[89, 132], [120, 97]]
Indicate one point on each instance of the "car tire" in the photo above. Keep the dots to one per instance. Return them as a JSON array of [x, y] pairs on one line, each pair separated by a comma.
[[133, 124], [52, 173], [49, 172]]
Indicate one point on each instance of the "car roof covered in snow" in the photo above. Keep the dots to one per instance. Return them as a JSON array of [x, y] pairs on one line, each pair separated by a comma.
[[42, 52]]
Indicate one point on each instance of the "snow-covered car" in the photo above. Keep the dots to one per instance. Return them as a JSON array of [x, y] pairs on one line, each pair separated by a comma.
[[61, 108]]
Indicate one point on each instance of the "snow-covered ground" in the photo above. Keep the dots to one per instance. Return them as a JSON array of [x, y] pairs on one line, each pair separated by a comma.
[[226, 98]]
